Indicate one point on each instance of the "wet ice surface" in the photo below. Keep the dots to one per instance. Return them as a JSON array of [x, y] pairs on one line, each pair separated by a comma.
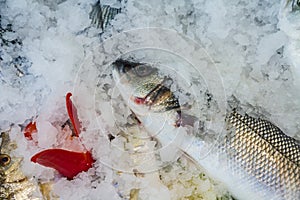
[[49, 48]]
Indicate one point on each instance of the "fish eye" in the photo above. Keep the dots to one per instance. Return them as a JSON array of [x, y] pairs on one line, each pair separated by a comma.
[[4, 159], [143, 70]]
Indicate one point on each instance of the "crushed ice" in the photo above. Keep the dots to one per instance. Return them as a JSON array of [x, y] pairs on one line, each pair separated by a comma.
[[49, 48]]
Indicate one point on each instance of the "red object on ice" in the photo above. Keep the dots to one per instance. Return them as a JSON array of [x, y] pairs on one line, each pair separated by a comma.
[[29, 129], [67, 163], [72, 112]]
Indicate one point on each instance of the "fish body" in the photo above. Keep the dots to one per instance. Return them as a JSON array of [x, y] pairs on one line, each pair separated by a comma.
[[254, 158], [263, 152]]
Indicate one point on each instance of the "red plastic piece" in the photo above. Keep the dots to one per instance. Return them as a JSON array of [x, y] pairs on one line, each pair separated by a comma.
[[72, 112], [67, 163], [29, 130]]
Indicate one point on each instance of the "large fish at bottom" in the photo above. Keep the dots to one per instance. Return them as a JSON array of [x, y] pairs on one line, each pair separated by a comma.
[[254, 159]]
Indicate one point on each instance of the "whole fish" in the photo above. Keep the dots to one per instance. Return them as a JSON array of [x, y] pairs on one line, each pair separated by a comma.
[[254, 158]]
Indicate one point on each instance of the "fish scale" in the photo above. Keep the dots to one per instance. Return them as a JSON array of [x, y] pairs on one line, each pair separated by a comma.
[[264, 152]]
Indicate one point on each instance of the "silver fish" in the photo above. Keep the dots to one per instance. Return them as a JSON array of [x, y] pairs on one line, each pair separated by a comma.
[[254, 159]]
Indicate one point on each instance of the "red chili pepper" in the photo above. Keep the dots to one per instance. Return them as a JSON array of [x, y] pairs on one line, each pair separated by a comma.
[[72, 112], [29, 130], [67, 163]]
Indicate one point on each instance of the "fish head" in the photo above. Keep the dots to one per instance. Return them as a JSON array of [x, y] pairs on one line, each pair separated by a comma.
[[135, 81], [147, 93], [6, 161]]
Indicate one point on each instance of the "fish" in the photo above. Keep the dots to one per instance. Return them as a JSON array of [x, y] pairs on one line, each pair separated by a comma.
[[101, 15], [13, 183], [253, 157]]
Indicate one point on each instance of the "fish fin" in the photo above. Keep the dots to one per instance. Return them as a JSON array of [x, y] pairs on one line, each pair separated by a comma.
[[185, 119]]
